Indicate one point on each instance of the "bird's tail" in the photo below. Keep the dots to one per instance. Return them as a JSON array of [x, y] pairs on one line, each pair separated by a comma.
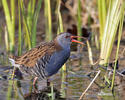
[[12, 60]]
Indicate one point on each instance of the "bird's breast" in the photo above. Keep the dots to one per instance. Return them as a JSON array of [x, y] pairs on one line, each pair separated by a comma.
[[56, 61]]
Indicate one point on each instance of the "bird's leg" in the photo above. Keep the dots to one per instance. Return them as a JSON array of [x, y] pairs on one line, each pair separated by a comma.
[[34, 83], [48, 82]]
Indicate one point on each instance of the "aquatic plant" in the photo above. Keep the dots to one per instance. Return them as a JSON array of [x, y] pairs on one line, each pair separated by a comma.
[[10, 20], [47, 13], [115, 11]]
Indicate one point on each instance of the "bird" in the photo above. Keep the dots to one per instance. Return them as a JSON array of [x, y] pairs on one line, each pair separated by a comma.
[[47, 58]]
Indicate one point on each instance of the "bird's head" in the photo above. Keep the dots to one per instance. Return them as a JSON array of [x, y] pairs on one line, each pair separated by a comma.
[[65, 39]]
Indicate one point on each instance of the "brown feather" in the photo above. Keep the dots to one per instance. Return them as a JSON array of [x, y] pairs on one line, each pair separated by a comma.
[[30, 58]]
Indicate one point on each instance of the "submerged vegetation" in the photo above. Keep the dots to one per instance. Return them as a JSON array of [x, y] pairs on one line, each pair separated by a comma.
[[31, 21]]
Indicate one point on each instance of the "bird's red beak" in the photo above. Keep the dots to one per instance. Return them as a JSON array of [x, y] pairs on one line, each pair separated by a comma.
[[73, 40]]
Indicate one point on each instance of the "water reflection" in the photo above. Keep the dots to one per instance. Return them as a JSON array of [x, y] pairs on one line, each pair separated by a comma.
[[69, 85]]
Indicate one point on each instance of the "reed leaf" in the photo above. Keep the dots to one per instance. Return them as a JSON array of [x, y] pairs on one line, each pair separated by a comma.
[[118, 44], [48, 20], [10, 21], [33, 5], [102, 16], [90, 53], [63, 86], [19, 31], [79, 19], [60, 25], [111, 26], [60, 22], [29, 16], [9, 92], [6, 39]]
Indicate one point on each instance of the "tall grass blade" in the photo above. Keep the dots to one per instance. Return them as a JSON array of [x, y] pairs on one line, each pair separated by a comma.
[[19, 31], [60, 25], [79, 19], [29, 16], [6, 39], [90, 53], [63, 86], [48, 20], [9, 92], [13, 17], [33, 6], [102, 16], [118, 44]]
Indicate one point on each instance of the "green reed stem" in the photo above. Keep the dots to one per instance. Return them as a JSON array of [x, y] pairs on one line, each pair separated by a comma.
[[10, 20], [9, 90], [118, 45], [19, 31], [30, 21], [79, 24], [29, 16], [13, 15], [35, 19], [60, 24], [33, 5], [102, 16], [16, 95], [48, 20], [28, 33], [63, 86]]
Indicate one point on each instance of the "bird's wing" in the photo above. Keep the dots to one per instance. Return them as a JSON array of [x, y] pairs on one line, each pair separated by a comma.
[[31, 57]]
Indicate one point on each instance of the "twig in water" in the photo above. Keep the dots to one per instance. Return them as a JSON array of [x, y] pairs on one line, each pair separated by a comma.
[[97, 61], [89, 85]]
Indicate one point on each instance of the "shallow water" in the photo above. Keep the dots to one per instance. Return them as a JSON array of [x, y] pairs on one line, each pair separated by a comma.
[[69, 85]]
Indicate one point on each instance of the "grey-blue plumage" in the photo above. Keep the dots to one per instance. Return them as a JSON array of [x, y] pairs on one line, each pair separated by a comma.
[[56, 61]]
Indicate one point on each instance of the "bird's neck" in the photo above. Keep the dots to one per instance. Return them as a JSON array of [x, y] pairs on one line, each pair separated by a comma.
[[59, 46]]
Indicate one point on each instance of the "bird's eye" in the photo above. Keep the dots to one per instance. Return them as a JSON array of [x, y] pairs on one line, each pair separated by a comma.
[[67, 36]]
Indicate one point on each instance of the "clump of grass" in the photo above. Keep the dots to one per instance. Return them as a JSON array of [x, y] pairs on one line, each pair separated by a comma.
[[115, 11], [118, 44], [30, 19], [10, 20], [109, 27], [35, 19], [25, 25]]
